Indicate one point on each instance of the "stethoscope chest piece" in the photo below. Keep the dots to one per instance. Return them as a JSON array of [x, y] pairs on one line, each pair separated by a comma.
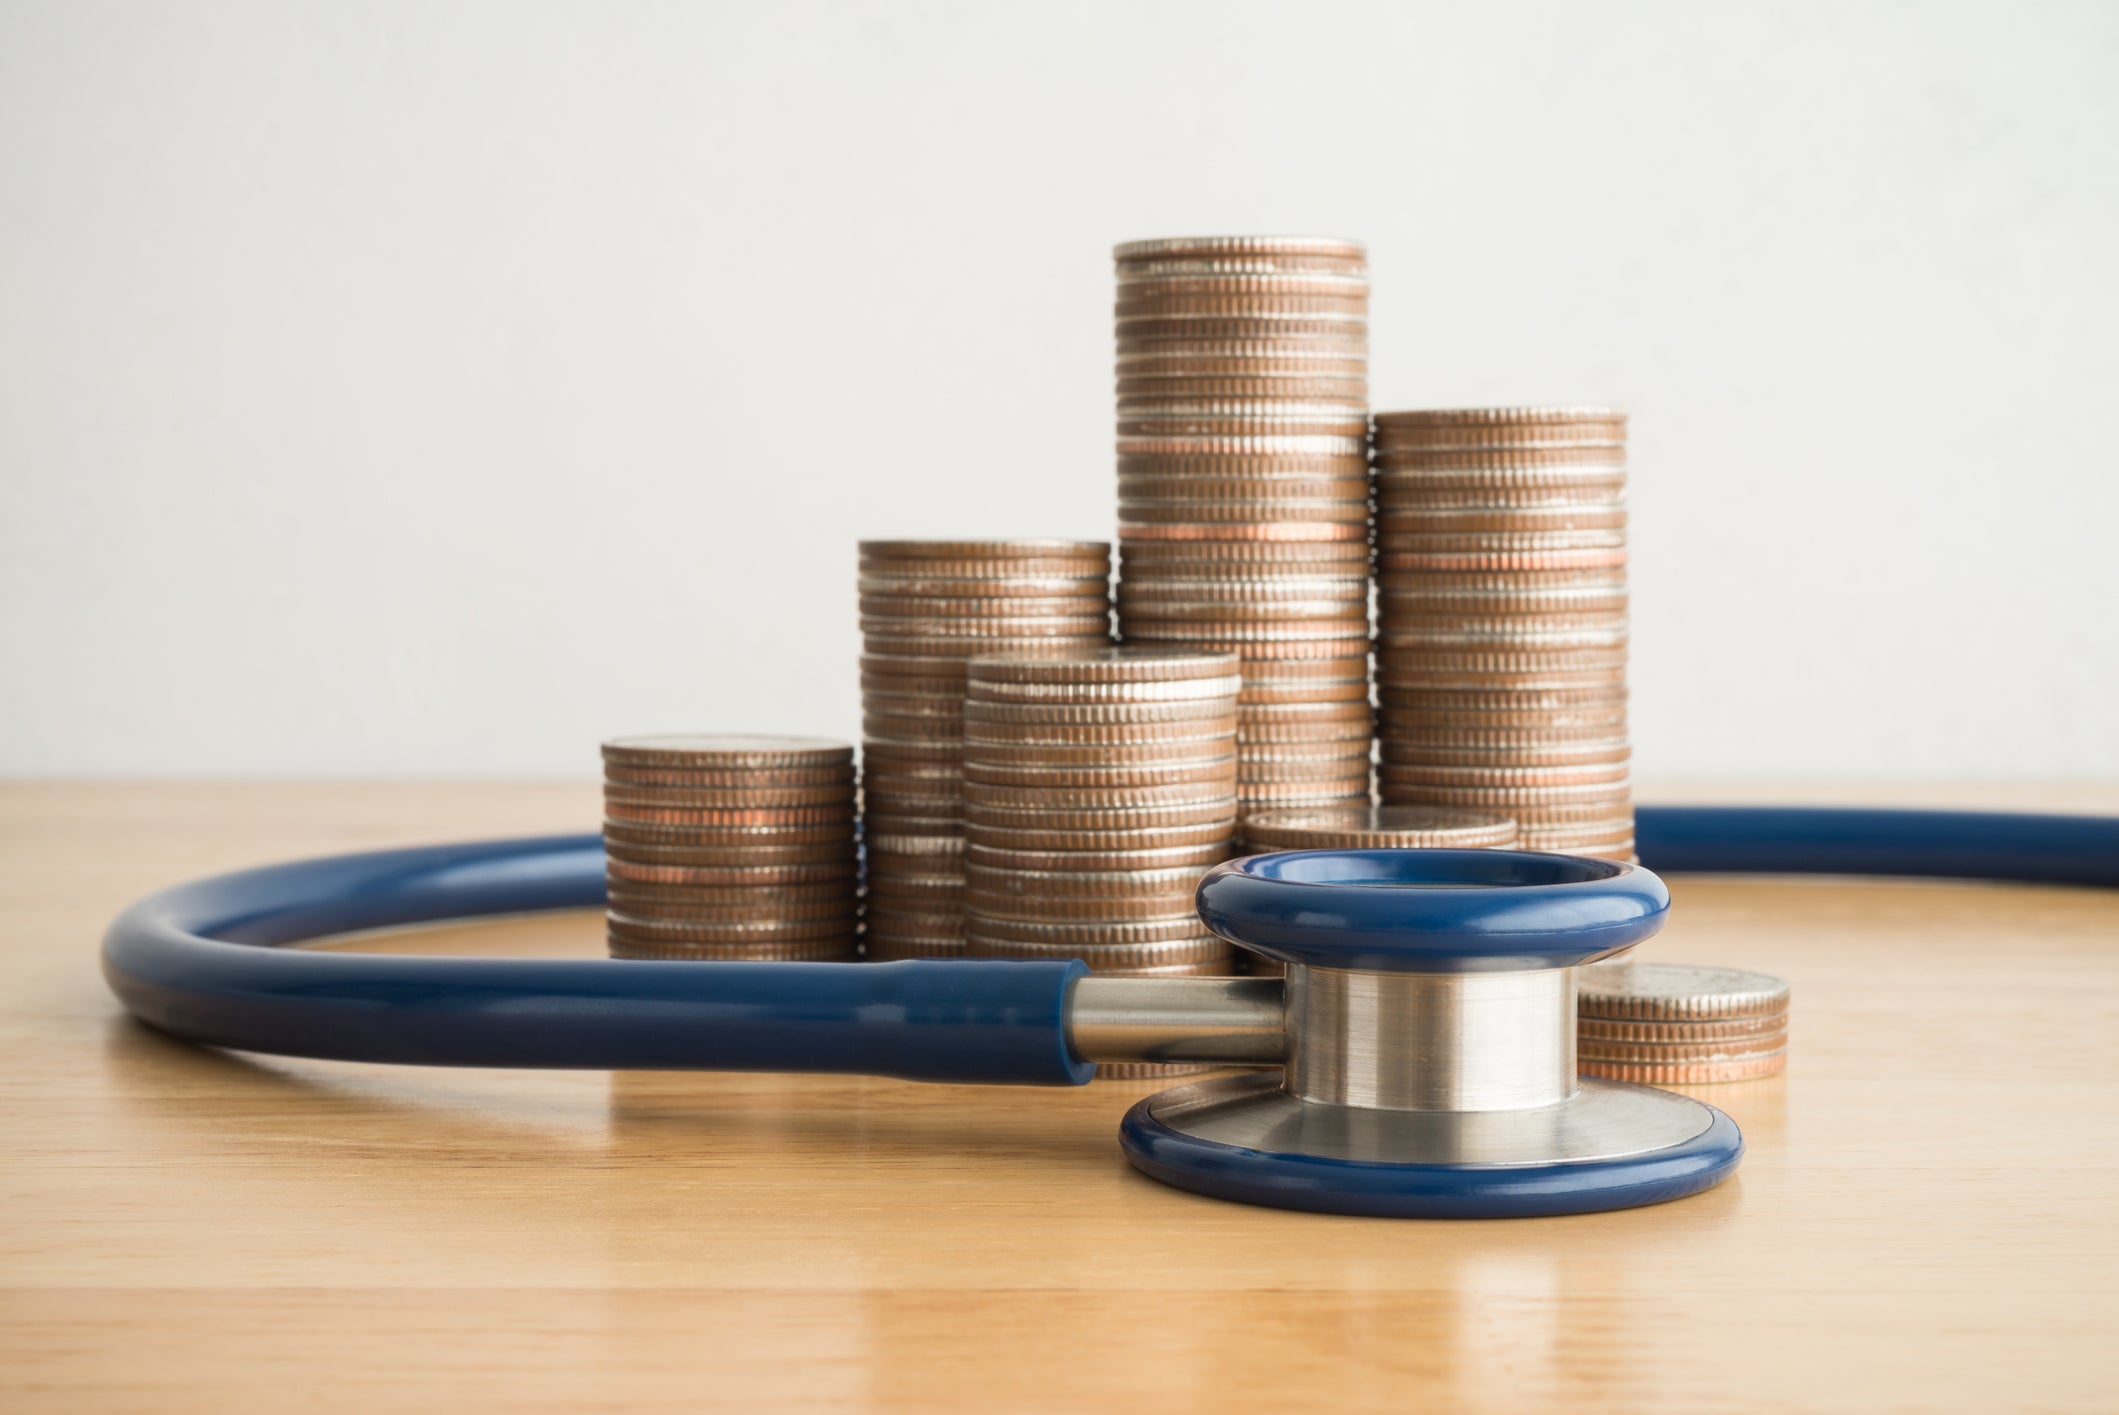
[[1430, 1045]]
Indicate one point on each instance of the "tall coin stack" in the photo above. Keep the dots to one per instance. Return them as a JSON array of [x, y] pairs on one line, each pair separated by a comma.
[[1502, 632], [1098, 788], [1243, 490], [927, 607], [730, 848]]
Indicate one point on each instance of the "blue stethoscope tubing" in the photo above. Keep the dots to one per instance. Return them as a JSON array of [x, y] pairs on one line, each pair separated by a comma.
[[186, 962]]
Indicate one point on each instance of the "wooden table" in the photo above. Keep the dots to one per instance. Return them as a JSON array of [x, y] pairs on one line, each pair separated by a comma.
[[1928, 1217]]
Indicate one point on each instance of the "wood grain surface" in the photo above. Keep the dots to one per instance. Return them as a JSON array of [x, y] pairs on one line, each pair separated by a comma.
[[1927, 1219]]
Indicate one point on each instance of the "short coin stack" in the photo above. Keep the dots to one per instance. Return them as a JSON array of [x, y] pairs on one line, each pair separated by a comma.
[[1098, 788], [927, 607], [1674, 1024], [1360, 827], [730, 848], [1502, 631], [1243, 489]]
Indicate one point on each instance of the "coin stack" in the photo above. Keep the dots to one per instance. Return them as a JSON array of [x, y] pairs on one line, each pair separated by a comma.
[[1243, 490], [1501, 653], [730, 848], [1675, 1024], [1362, 827], [1098, 787], [927, 607]]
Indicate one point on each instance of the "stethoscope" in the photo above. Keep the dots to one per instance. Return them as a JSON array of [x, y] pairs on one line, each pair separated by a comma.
[[1422, 1042]]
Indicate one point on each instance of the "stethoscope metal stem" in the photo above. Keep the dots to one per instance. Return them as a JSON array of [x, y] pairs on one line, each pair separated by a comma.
[[1431, 1041], [1229, 1021]]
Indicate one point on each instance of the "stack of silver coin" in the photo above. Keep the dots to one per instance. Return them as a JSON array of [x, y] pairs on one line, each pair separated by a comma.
[[1099, 786], [730, 848], [927, 607], [1502, 630], [1362, 827], [1679, 1024], [1243, 490]]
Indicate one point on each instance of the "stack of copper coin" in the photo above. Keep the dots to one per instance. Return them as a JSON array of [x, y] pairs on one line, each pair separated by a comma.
[[1098, 787], [1501, 653], [1674, 1024], [730, 847], [1361, 827], [1243, 490], [927, 607]]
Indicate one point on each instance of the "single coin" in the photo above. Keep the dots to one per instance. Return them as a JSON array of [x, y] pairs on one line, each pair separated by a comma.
[[1347, 617], [1136, 282], [915, 844], [1377, 828], [1734, 1028], [986, 749], [765, 931], [746, 778], [1273, 732], [1135, 532], [1574, 774], [1104, 665], [1662, 1053], [1099, 908], [1579, 835], [973, 573], [1389, 561], [1113, 713], [1216, 834], [940, 730], [1109, 933], [1156, 631], [1522, 800], [697, 751], [759, 895], [830, 872], [621, 836], [1089, 584], [1034, 628], [727, 798], [1212, 811], [762, 817], [984, 549], [1676, 992], [1220, 690], [897, 755], [995, 882], [846, 910], [1198, 952], [1697, 1073], [1136, 509], [1121, 775], [1191, 247], [1265, 797], [995, 608], [1559, 756], [813, 951], [1072, 797], [1098, 861], [750, 853], [973, 645], [1351, 586], [1598, 456]]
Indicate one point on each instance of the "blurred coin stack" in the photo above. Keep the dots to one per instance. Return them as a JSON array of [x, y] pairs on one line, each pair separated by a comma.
[[1365, 827], [1243, 490], [928, 607], [730, 848], [1098, 788], [1675, 1024], [1501, 644]]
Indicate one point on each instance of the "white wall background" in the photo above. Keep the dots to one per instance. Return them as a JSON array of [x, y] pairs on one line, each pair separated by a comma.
[[436, 388]]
